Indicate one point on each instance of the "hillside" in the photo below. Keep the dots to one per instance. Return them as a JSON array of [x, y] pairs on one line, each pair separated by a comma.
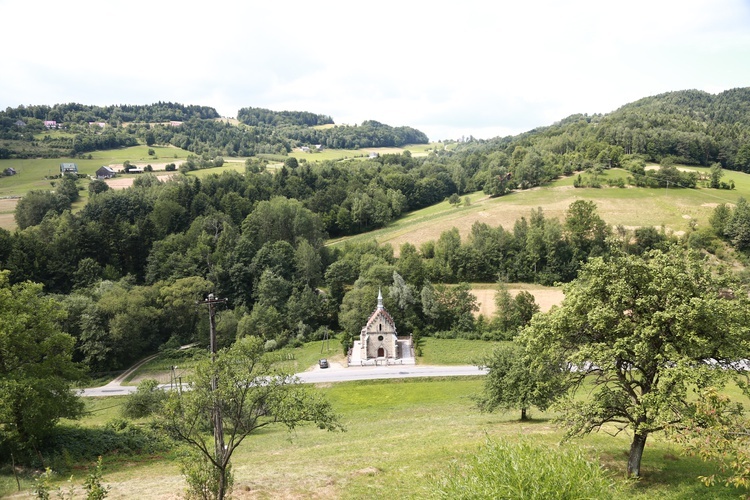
[[74, 129], [690, 126]]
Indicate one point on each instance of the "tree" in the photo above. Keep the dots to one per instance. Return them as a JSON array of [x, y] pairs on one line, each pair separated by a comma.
[[98, 186], [718, 430], [586, 231], [737, 228], [251, 391], [291, 162], [715, 175], [146, 400], [514, 382], [36, 367], [642, 332], [68, 188], [31, 209]]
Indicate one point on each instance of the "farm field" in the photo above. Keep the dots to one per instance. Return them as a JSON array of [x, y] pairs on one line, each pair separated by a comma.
[[544, 296], [340, 154], [32, 172], [400, 436], [631, 207]]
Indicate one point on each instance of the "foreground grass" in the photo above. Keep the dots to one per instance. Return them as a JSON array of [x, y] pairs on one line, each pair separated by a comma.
[[400, 435]]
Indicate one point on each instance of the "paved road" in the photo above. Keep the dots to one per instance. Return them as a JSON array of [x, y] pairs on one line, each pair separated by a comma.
[[333, 374]]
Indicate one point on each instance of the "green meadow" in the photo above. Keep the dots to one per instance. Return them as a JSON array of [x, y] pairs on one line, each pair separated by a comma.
[[32, 173], [400, 437]]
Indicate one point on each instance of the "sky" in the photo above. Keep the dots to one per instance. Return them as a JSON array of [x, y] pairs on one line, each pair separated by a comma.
[[451, 69]]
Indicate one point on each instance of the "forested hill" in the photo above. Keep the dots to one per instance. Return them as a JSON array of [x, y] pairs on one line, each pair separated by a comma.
[[122, 113], [690, 127], [257, 116], [74, 129]]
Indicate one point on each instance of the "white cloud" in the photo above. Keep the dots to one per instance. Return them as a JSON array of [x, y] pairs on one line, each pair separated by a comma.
[[460, 68]]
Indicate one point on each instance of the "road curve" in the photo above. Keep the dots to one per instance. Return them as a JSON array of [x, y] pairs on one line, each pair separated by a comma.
[[332, 375]]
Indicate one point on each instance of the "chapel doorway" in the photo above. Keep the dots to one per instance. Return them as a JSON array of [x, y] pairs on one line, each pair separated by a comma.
[[381, 352]]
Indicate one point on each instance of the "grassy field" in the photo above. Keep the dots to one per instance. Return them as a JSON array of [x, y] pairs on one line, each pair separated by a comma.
[[400, 435], [32, 173], [631, 207], [340, 154]]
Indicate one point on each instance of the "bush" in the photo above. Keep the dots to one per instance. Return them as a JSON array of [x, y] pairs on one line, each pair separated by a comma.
[[145, 400], [202, 477], [523, 470], [271, 345], [71, 445]]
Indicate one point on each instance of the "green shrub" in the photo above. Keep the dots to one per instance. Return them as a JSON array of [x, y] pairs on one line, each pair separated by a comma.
[[145, 400], [71, 445], [202, 477], [523, 470]]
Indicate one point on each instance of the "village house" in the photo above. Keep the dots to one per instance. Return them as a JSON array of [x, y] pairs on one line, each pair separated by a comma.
[[105, 172], [68, 168], [379, 343], [9, 171], [50, 123]]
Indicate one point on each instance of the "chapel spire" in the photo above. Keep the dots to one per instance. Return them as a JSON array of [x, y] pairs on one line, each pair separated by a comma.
[[380, 299]]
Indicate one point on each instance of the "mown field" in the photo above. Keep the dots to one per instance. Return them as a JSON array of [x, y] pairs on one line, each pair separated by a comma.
[[631, 207], [400, 436]]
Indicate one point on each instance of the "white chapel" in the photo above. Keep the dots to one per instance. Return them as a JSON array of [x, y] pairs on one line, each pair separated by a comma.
[[379, 343]]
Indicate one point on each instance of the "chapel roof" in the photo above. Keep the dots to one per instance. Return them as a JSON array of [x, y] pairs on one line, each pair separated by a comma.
[[380, 310]]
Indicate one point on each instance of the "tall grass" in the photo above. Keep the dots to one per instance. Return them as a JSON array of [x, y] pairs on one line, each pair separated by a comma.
[[505, 469]]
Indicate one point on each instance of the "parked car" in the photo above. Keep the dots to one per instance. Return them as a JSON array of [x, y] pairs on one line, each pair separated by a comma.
[[323, 363]]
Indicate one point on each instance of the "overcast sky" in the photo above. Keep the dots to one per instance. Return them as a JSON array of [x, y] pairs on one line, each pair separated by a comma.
[[450, 69]]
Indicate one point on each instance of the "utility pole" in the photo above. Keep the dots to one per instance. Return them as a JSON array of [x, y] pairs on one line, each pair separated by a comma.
[[326, 341], [216, 418]]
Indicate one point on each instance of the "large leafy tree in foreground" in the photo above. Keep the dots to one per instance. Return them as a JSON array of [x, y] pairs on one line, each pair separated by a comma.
[[248, 388], [642, 333], [36, 367]]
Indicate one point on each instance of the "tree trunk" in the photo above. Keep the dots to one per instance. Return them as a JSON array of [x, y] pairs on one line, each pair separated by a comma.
[[222, 486], [636, 452], [523, 414]]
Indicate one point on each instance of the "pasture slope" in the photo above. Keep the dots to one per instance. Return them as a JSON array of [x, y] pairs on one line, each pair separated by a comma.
[[673, 209]]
